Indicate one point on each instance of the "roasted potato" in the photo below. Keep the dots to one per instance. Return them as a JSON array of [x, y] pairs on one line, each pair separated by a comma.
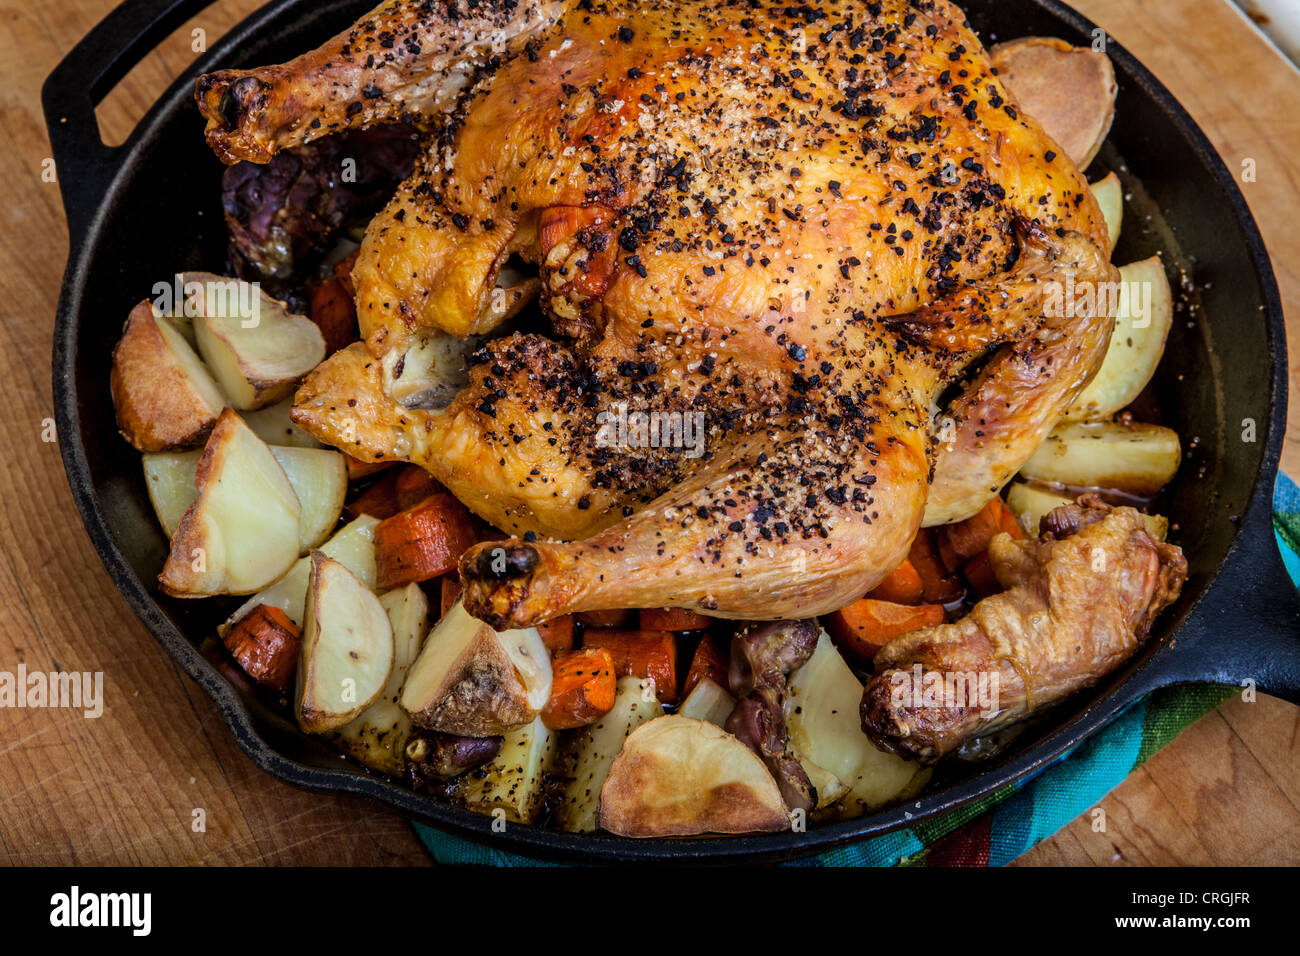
[[476, 682], [274, 427], [1070, 90], [681, 777], [318, 475], [352, 546], [512, 781], [1137, 459], [708, 701], [821, 711], [164, 396], [169, 476], [587, 758], [378, 736], [257, 349], [1146, 312], [242, 531], [347, 648], [1109, 194]]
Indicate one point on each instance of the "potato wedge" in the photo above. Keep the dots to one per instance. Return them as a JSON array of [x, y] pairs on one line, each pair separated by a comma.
[[377, 737], [347, 648], [708, 701], [169, 476], [821, 714], [352, 546], [241, 533], [320, 480], [1146, 312], [1109, 194], [587, 758], [476, 682], [681, 777], [512, 781], [1070, 90], [1031, 503], [164, 397], [274, 427], [257, 353], [1136, 459]]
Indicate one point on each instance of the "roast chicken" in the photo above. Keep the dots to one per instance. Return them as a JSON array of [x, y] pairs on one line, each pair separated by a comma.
[[826, 232]]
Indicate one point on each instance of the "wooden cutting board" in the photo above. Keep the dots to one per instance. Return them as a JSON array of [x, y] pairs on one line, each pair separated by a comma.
[[133, 785]]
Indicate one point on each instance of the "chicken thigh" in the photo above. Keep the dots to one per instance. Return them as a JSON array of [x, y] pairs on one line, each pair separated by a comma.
[[798, 226]]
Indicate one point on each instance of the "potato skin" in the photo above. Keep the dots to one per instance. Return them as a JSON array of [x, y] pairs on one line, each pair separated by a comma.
[[157, 408], [481, 695]]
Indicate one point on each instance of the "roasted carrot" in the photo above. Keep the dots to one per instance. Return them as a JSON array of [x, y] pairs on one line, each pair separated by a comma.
[[414, 484], [903, 586], [358, 469], [343, 271], [709, 661], [421, 542], [864, 627], [335, 314], [1009, 523], [265, 643], [557, 634], [615, 619], [673, 619], [582, 688], [450, 585], [937, 585], [379, 500], [979, 575], [968, 538], [651, 654]]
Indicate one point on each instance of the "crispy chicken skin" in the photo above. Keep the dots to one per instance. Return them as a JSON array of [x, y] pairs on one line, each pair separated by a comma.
[[1079, 602], [801, 223]]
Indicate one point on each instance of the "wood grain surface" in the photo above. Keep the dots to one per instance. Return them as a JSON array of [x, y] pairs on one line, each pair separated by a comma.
[[127, 787]]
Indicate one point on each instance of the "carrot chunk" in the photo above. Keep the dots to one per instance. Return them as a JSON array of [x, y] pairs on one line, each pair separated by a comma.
[[358, 469], [979, 574], [413, 484], [968, 538], [450, 591], [557, 634], [582, 689], [335, 314], [651, 654], [937, 585], [864, 627], [613, 619], [378, 501], [709, 661], [421, 543], [265, 643], [672, 619], [903, 586]]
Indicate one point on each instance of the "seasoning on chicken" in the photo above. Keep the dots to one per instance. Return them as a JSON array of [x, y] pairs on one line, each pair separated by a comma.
[[799, 223]]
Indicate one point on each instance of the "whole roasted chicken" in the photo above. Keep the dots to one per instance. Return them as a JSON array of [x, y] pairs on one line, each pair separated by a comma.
[[826, 232]]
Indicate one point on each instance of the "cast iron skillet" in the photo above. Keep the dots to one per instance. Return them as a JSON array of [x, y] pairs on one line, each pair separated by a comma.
[[142, 211]]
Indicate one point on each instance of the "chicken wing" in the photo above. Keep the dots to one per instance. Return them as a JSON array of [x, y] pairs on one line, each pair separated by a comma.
[[1079, 602]]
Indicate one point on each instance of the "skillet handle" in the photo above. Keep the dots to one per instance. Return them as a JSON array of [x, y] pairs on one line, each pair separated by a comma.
[[1247, 627], [86, 167]]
